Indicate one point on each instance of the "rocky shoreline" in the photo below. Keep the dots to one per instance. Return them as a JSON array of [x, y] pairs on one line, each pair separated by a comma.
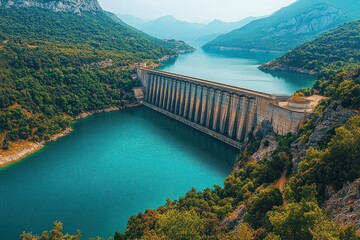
[[274, 66], [28, 148], [242, 49]]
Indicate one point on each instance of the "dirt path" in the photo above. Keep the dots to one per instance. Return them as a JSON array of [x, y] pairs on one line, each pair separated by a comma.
[[281, 184]]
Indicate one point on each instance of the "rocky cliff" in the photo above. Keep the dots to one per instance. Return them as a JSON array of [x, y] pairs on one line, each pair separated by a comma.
[[312, 21], [323, 128], [344, 206], [75, 6], [288, 27]]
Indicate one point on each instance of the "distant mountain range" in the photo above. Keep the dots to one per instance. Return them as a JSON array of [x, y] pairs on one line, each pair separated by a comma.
[[168, 27], [290, 26]]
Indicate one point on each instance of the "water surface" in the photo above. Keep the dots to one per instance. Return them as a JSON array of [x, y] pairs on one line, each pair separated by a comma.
[[237, 68], [112, 166]]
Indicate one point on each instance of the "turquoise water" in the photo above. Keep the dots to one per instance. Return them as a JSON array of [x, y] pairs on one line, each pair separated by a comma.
[[112, 166], [237, 68]]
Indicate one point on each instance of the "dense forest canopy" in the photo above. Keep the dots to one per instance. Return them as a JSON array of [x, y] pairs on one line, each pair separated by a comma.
[[56, 65]]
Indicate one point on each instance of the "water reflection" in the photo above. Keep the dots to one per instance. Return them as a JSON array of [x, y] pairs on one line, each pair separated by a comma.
[[223, 154]]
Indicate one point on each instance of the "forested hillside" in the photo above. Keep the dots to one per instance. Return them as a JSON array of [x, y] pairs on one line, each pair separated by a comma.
[[290, 26], [333, 56], [337, 46], [56, 65]]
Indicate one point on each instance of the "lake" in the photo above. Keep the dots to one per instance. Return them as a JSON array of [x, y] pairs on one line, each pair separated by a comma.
[[237, 68], [112, 166]]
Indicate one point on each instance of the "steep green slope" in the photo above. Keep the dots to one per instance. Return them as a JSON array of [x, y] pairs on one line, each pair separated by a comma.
[[56, 65], [290, 26], [333, 56], [339, 46]]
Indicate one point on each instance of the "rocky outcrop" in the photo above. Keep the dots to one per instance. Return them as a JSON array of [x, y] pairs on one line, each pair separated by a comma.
[[21, 152], [236, 218], [344, 206], [268, 143], [75, 6], [333, 117]]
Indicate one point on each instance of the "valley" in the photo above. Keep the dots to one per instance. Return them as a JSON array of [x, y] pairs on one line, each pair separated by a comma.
[[130, 171]]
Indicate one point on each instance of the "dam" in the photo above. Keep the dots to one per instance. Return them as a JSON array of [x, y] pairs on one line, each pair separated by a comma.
[[225, 112]]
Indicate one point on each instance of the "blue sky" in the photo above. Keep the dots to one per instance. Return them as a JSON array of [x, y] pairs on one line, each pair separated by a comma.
[[195, 10]]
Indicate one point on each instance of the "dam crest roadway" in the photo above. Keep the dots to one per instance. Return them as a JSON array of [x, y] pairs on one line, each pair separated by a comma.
[[222, 111]]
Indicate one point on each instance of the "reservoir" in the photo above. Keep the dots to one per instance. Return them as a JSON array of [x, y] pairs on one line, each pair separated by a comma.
[[112, 166], [115, 165], [237, 68]]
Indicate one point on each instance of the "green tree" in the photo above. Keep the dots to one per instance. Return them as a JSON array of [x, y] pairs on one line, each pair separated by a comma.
[[181, 225], [56, 233], [260, 204], [304, 220]]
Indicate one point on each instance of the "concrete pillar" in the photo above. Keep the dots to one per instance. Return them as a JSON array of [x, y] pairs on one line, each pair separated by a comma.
[[210, 108], [192, 102], [251, 115], [216, 115], [173, 96], [234, 107], [198, 103], [153, 98], [161, 96], [178, 88], [241, 128], [165, 94], [169, 92], [182, 97], [204, 105], [187, 97], [149, 89], [157, 94], [224, 112]]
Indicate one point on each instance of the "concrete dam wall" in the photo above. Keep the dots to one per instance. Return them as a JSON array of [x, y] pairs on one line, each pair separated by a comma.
[[225, 112]]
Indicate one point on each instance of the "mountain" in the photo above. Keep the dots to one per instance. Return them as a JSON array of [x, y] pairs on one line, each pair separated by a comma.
[[218, 26], [290, 26], [339, 46], [168, 27], [131, 20], [56, 65], [75, 6]]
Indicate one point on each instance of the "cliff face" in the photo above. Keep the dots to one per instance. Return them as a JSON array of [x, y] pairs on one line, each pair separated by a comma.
[[75, 6], [313, 21], [344, 206]]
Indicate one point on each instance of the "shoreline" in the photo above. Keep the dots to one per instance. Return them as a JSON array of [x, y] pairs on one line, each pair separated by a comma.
[[274, 66], [224, 48], [26, 148]]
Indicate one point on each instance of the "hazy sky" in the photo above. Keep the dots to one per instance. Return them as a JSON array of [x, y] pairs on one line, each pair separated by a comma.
[[195, 10]]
